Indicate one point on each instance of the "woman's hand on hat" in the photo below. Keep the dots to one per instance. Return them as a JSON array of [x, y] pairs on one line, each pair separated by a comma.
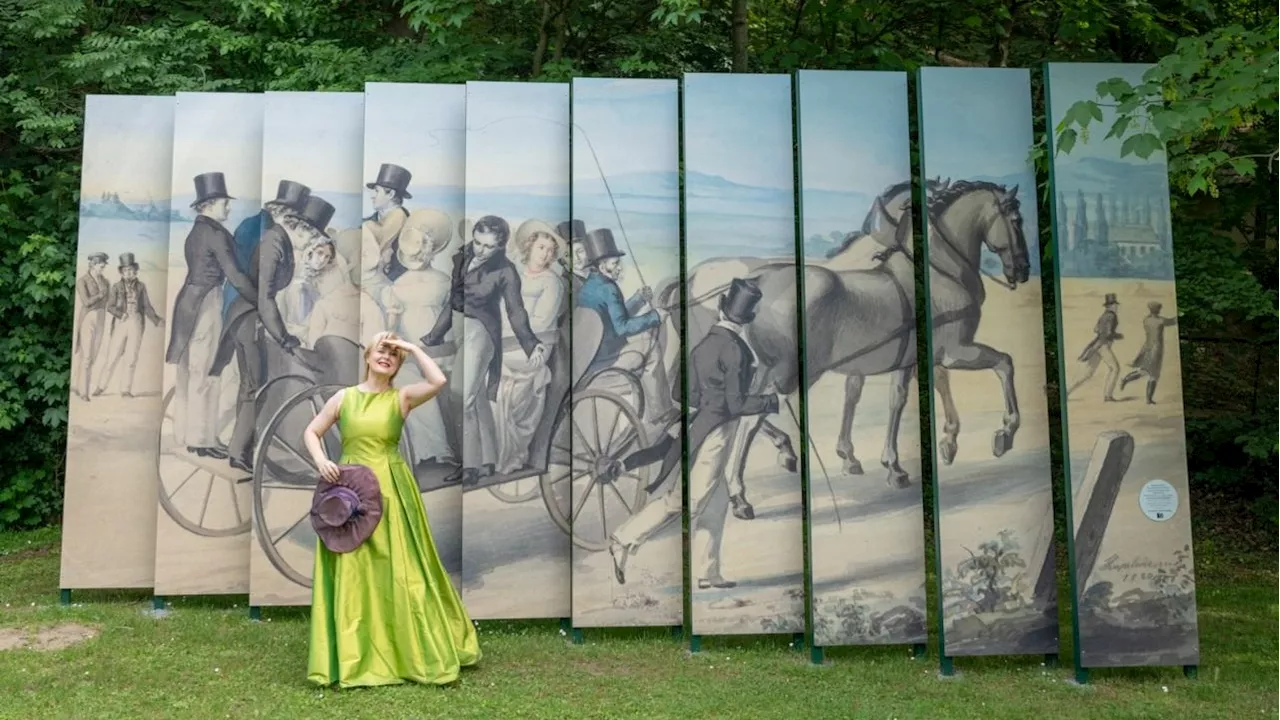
[[329, 470]]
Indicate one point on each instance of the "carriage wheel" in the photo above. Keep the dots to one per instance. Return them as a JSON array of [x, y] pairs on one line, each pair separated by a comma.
[[637, 392], [302, 383], [593, 494], [517, 491], [191, 487], [284, 476]]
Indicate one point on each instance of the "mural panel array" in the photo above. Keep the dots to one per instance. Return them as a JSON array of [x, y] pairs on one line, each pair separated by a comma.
[[866, 536], [742, 356], [414, 160], [626, 450], [307, 273], [511, 281], [113, 419], [528, 235], [992, 478], [1133, 573], [206, 434]]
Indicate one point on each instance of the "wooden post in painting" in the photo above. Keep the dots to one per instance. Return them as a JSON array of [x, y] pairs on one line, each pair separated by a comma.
[[1096, 493]]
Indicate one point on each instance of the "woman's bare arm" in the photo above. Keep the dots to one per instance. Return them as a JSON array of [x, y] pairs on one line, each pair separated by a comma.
[[316, 429]]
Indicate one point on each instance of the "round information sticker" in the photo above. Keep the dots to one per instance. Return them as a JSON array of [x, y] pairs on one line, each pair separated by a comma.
[[1158, 500]]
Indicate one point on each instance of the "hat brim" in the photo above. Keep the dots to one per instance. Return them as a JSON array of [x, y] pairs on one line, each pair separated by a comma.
[[219, 196], [404, 193], [351, 535]]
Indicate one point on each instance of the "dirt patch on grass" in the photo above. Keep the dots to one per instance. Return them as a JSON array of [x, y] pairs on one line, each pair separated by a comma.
[[14, 556], [58, 637]]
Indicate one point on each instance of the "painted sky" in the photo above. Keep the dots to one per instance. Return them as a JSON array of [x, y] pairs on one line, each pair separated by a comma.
[[316, 139], [219, 132], [518, 135], [854, 132], [421, 128], [128, 147], [739, 127], [1070, 82], [633, 125], [976, 125]]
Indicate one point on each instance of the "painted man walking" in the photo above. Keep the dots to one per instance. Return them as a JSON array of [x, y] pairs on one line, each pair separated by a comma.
[[130, 307], [1098, 351], [1150, 359]]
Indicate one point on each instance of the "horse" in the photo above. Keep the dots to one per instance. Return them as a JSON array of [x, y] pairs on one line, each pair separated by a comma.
[[963, 218]]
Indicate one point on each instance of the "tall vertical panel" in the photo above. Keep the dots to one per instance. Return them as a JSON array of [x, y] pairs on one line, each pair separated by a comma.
[[308, 284], [626, 360], [206, 440], [866, 533], [1133, 579], [414, 165], [515, 371], [742, 348], [993, 494], [109, 506]]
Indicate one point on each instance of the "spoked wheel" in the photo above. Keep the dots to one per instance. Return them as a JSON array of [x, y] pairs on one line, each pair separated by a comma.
[[599, 494], [203, 495], [284, 480], [517, 491]]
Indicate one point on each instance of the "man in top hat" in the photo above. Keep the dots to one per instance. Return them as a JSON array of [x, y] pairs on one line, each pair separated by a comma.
[[575, 231], [484, 281], [289, 197], [130, 307], [245, 315], [623, 327], [91, 289], [197, 317], [721, 369], [1098, 351], [387, 193], [1150, 359]]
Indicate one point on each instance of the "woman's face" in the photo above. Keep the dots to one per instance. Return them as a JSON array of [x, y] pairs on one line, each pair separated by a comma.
[[541, 253], [383, 360], [411, 241], [318, 257]]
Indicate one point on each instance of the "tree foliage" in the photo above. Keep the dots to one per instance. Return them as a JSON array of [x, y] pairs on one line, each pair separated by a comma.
[[1217, 58]]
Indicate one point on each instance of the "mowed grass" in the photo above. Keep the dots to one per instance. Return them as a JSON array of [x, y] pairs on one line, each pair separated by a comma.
[[207, 659]]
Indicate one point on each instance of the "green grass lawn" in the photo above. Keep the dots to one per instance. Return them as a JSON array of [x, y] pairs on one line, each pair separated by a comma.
[[206, 659]]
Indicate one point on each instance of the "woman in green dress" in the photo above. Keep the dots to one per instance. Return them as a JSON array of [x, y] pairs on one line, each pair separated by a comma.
[[385, 613]]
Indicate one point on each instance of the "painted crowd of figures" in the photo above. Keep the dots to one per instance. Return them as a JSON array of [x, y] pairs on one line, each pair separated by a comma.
[[127, 302]]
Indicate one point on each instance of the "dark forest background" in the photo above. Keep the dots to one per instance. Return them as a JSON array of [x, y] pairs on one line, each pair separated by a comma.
[[1211, 101]]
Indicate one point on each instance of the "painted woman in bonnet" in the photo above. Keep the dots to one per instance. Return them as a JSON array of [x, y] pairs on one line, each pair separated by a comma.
[[385, 612]]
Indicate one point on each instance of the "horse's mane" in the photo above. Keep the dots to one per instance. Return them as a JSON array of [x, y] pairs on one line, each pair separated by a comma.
[[939, 201]]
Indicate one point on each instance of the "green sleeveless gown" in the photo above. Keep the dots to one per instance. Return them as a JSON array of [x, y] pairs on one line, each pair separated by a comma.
[[386, 613]]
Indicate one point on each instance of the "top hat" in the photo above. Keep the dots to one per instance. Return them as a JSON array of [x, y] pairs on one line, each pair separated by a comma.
[[739, 303], [600, 245], [210, 186], [345, 513], [126, 260], [316, 212], [1110, 299], [393, 177], [291, 194], [99, 258], [572, 230]]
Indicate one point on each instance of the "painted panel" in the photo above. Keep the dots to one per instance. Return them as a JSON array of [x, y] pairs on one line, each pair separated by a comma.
[[308, 285], [742, 356], [627, 354], [515, 374], [865, 525], [993, 490], [206, 437], [113, 420], [1133, 575], [414, 160]]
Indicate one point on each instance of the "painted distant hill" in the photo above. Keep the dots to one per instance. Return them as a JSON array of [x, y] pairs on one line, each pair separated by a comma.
[[110, 206], [1098, 175]]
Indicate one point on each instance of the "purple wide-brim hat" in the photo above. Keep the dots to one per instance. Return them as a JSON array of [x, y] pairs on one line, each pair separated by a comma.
[[345, 513]]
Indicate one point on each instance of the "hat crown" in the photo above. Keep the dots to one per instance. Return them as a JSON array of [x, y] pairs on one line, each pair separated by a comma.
[[336, 505], [739, 303], [316, 212], [210, 186], [126, 259], [572, 230], [394, 177], [600, 245], [291, 193]]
